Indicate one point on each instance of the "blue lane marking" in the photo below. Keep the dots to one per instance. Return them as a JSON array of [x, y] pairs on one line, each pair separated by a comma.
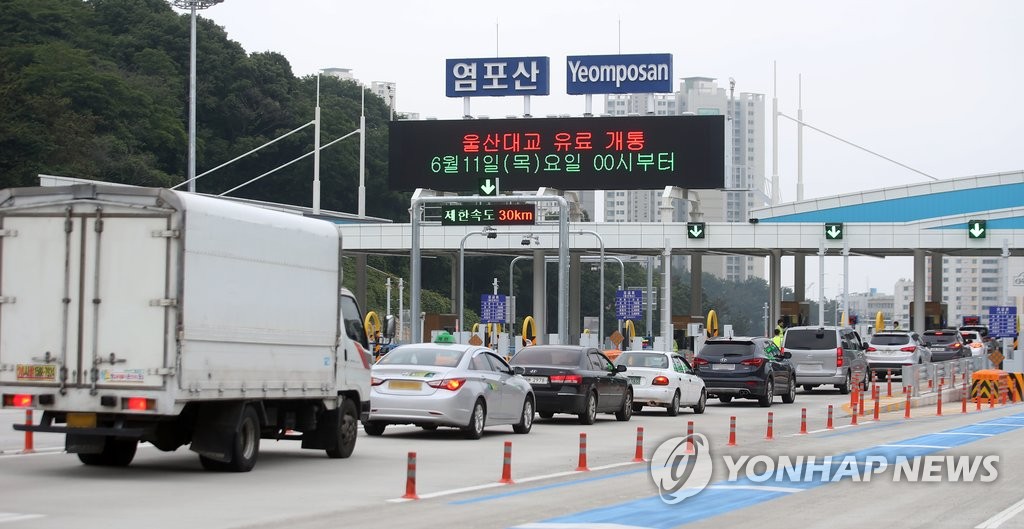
[[652, 513]]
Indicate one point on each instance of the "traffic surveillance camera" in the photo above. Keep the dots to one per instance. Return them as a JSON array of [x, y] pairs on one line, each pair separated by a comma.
[[525, 241], [753, 221], [492, 234]]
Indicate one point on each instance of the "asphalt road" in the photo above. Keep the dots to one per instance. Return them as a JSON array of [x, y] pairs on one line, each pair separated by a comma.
[[457, 478]]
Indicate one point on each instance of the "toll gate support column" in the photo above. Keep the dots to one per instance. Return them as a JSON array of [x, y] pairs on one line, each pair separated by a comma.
[[696, 286], [936, 277], [540, 297], [919, 279], [666, 304], [799, 279], [774, 287], [361, 280], [457, 295], [575, 321]]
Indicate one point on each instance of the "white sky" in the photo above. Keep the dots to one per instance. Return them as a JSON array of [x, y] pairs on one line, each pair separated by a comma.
[[934, 84]]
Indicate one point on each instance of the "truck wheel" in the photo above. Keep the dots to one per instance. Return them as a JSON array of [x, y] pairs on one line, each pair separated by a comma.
[[348, 430], [116, 453], [246, 444]]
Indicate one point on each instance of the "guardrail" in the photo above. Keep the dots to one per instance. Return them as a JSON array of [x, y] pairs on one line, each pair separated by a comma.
[[931, 377]]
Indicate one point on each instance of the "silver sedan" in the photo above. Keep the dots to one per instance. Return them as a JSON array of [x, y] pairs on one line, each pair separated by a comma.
[[448, 384]]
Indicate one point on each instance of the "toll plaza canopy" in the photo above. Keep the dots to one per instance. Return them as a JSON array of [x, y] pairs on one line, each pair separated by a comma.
[[974, 215]]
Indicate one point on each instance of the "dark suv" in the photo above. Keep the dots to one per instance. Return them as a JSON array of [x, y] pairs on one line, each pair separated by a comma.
[[746, 368], [946, 344]]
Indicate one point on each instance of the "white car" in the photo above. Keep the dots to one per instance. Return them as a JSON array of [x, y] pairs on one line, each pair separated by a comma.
[[974, 340], [663, 379]]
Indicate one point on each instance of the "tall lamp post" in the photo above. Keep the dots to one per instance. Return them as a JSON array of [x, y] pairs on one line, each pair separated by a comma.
[[192, 5]]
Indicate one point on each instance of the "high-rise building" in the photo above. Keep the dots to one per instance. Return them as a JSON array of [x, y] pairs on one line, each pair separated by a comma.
[[745, 182], [970, 285]]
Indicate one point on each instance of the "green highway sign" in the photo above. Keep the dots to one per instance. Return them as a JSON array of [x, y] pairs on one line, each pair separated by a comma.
[[976, 229], [488, 187], [695, 230], [833, 231]]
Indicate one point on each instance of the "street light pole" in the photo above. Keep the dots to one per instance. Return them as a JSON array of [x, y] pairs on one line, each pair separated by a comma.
[[192, 6]]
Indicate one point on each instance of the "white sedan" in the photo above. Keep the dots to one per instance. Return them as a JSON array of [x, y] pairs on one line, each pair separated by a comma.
[[663, 379]]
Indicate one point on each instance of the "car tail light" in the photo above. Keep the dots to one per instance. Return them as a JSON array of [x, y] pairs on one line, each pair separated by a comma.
[[954, 345], [18, 401], [659, 381], [451, 384], [138, 403], [566, 379], [839, 357], [782, 350], [698, 361], [908, 349], [374, 381], [871, 349], [756, 362]]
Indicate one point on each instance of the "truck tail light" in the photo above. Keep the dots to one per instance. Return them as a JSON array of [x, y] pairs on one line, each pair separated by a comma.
[[138, 404], [18, 400]]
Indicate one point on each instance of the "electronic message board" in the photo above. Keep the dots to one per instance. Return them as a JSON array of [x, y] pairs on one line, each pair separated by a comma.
[[630, 152]]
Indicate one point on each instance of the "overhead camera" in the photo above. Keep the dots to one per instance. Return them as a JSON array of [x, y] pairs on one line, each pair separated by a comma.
[[493, 234], [525, 241], [754, 221]]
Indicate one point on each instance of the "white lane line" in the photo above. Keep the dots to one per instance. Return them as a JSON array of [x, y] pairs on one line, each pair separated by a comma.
[[1006, 514], [917, 446], [486, 486], [6, 517], [825, 429], [765, 488]]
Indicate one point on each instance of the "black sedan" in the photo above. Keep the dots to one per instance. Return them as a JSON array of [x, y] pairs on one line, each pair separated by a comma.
[[577, 380], [746, 368], [946, 344]]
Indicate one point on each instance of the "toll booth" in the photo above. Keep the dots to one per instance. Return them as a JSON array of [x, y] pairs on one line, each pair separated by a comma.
[[438, 322], [934, 315], [795, 313]]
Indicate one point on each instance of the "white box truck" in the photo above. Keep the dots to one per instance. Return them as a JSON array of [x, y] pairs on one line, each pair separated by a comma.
[[138, 314]]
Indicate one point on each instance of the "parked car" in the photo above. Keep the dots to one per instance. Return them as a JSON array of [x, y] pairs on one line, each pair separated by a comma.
[[577, 380], [448, 384], [889, 351], [746, 368], [946, 344], [827, 355], [974, 342], [663, 379]]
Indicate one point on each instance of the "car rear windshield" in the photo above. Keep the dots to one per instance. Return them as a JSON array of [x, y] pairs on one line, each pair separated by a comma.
[[716, 350], [941, 339], [547, 357], [422, 357], [808, 339], [890, 339], [654, 360]]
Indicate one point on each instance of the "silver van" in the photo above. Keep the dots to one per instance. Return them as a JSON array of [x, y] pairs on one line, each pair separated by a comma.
[[826, 355]]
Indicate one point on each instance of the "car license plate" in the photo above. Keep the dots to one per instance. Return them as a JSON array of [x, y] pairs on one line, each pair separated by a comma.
[[807, 368], [81, 420], [405, 384], [723, 367], [635, 380], [537, 380]]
